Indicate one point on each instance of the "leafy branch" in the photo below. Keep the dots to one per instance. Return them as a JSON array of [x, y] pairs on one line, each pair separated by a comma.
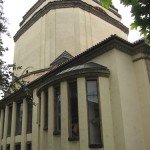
[[140, 10]]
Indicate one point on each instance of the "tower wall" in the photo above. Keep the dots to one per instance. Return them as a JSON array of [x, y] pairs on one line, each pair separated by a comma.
[[40, 41]]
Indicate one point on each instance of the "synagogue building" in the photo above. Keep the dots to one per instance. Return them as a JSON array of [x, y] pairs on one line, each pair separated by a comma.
[[90, 87]]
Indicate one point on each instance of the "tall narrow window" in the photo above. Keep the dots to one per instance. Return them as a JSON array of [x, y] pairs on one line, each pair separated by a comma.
[[3, 125], [95, 139], [9, 121], [73, 112], [18, 146], [46, 111], [8, 147], [29, 117], [39, 111], [57, 111], [19, 118], [29, 146]]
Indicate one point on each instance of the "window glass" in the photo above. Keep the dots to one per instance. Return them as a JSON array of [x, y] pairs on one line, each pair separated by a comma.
[[9, 121], [73, 110], [3, 125], [28, 146], [29, 117], [18, 147], [92, 91], [19, 118], [93, 114], [8, 147], [46, 111], [57, 110]]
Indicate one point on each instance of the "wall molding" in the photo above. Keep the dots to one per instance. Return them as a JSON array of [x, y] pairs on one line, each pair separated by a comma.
[[70, 4]]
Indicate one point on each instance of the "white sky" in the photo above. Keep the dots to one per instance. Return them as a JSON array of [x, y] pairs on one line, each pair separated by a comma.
[[15, 9]]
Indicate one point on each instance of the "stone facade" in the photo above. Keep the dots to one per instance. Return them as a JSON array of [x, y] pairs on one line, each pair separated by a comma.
[[84, 97]]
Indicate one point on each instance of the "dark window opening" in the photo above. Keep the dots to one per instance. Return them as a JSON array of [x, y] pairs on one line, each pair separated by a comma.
[[57, 111], [46, 111], [18, 146], [73, 112], [3, 125], [95, 139], [28, 146], [9, 121], [29, 117], [8, 147], [19, 118]]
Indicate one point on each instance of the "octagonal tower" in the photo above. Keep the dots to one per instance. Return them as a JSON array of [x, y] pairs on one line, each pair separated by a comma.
[[51, 27]]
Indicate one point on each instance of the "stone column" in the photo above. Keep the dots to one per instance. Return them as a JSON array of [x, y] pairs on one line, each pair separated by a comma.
[[13, 129], [50, 117], [64, 116], [42, 146], [82, 111], [35, 122], [5, 127], [24, 125], [106, 113], [1, 125]]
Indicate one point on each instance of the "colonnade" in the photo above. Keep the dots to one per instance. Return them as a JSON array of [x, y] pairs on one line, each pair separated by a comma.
[[45, 139], [9, 141]]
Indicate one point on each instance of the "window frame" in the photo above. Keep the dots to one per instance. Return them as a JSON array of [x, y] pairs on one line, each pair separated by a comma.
[[46, 109], [9, 121], [8, 147], [28, 143], [3, 123], [100, 145], [29, 117], [18, 144], [19, 123], [57, 111], [71, 138]]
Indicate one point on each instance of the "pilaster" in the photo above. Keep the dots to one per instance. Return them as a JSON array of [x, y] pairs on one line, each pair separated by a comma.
[[14, 110], [83, 118], [1, 125], [106, 113], [42, 146], [64, 116], [51, 118], [5, 127], [35, 122], [24, 126]]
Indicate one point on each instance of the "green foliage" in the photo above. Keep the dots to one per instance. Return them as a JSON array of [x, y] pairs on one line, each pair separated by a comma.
[[140, 10], [106, 3], [141, 13], [4, 69], [7, 85]]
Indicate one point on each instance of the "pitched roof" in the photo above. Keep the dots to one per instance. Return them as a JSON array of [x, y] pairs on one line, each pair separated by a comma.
[[65, 56], [104, 46]]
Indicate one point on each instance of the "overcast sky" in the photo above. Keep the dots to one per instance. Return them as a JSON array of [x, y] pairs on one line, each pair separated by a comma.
[[15, 9]]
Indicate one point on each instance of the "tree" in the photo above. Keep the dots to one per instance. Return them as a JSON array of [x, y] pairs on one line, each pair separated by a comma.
[[8, 80], [4, 69], [140, 10]]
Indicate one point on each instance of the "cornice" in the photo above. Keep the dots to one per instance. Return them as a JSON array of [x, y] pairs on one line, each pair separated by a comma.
[[34, 72], [69, 4], [99, 49], [75, 72], [112, 9], [40, 2], [31, 10], [142, 57]]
